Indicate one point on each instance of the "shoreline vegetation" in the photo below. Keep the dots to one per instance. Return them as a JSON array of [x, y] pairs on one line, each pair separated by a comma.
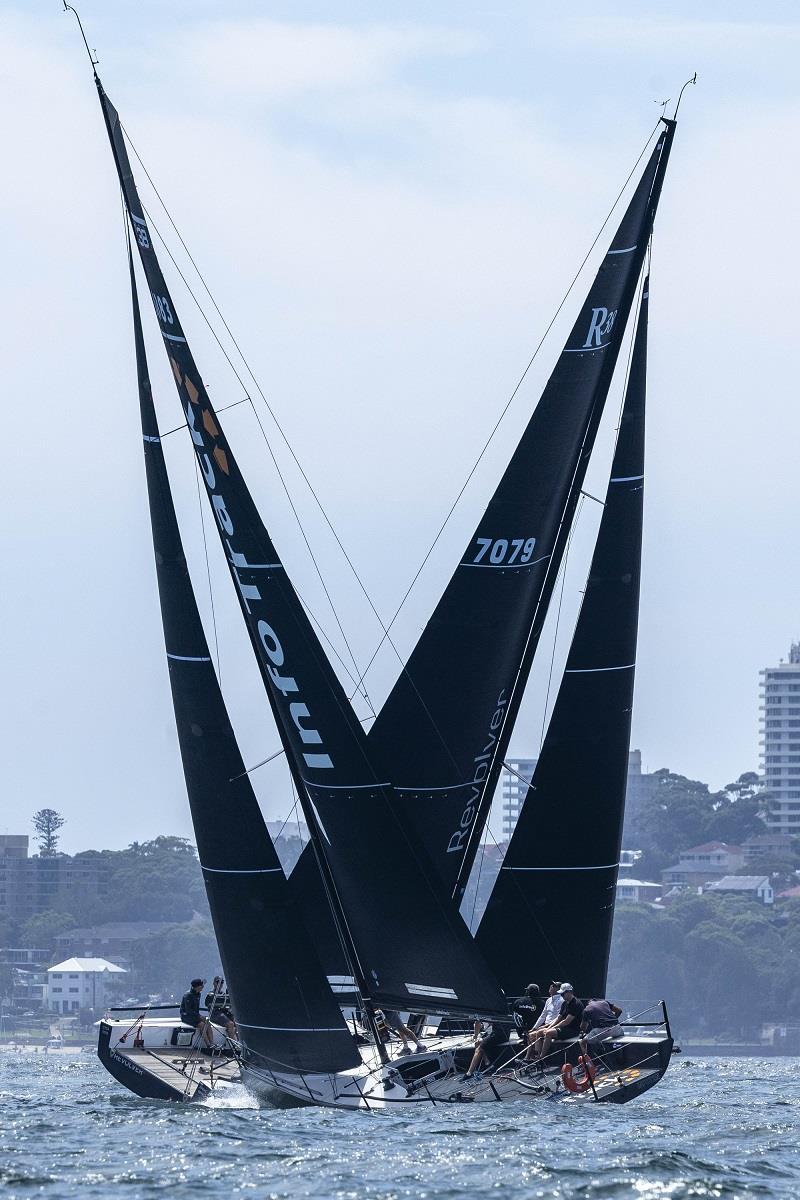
[[726, 964]]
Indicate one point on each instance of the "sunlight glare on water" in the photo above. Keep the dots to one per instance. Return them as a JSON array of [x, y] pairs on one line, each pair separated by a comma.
[[726, 1128]]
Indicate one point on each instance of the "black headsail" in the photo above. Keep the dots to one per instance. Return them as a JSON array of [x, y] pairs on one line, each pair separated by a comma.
[[284, 1006], [445, 727], [558, 877], [406, 943]]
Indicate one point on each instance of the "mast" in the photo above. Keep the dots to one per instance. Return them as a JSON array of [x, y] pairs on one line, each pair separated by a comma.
[[294, 1021], [445, 727], [407, 945], [559, 874]]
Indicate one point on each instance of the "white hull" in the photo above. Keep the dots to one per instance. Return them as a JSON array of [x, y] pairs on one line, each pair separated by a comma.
[[159, 1068]]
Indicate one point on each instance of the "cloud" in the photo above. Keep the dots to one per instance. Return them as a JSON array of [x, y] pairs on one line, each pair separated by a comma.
[[270, 60]]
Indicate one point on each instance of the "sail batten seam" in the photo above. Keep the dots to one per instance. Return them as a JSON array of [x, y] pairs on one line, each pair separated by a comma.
[[597, 670], [600, 867], [243, 870]]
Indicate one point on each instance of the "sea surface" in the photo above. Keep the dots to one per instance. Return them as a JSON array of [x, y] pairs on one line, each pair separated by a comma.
[[713, 1127]]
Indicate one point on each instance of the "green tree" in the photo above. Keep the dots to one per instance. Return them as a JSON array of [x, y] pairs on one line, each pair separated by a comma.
[[166, 962], [40, 931], [738, 810], [678, 813], [47, 823]]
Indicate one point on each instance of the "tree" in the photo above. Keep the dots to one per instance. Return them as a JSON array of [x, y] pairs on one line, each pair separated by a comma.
[[47, 823], [678, 813], [39, 932], [167, 961], [738, 810]]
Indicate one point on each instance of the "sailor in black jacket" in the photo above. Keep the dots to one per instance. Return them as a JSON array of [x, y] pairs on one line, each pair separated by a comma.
[[190, 1012]]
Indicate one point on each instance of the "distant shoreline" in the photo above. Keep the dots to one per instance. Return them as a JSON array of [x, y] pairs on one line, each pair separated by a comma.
[[735, 1050]]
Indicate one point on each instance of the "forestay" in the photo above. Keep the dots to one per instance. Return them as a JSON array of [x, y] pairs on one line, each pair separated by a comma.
[[554, 897]]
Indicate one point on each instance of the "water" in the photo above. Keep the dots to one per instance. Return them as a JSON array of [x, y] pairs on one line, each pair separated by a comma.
[[712, 1128]]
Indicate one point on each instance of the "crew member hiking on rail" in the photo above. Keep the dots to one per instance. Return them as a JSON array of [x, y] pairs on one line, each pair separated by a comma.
[[526, 1010], [601, 1022], [190, 1013], [218, 1005], [568, 1023], [548, 1015]]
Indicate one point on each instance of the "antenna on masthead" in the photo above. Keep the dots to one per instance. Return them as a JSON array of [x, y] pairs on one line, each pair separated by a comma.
[[680, 95], [93, 59]]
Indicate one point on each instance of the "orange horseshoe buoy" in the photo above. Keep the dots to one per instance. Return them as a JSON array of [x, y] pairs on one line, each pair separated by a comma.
[[579, 1085]]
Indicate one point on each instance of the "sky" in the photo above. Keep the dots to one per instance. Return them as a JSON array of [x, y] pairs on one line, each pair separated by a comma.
[[388, 202]]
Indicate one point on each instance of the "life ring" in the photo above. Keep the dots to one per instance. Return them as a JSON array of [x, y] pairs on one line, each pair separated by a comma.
[[579, 1085]]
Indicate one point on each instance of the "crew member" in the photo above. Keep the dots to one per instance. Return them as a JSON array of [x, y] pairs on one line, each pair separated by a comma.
[[526, 1010], [569, 1019], [548, 1015], [489, 1041], [601, 1022], [190, 1013], [405, 1034], [218, 1005]]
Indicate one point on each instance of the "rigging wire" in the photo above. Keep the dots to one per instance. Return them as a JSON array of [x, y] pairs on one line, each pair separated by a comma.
[[512, 397], [126, 227], [361, 684], [151, 221], [386, 628], [266, 402], [219, 411], [634, 327], [323, 633]]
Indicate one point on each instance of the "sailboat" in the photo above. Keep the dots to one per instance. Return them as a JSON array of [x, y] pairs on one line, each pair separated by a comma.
[[369, 920]]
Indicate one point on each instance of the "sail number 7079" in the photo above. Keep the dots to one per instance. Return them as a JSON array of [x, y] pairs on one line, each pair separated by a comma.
[[504, 552]]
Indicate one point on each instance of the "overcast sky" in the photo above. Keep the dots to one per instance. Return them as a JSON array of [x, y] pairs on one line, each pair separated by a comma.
[[388, 202]]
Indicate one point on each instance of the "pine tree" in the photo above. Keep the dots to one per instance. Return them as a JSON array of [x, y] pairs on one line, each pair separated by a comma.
[[47, 823]]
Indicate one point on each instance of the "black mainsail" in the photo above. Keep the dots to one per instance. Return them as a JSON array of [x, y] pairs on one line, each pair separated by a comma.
[[405, 945], [445, 727], [286, 1012], [551, 910]]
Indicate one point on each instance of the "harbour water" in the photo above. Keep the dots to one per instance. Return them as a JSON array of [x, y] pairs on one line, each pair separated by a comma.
[[714, 1127]]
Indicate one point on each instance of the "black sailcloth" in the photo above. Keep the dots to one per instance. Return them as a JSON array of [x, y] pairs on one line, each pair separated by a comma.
[[284, 1006], [407, 943], [551, 909], [445, 727]]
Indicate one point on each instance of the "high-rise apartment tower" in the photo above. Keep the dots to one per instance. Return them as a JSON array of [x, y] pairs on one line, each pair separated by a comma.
[[780, 742]]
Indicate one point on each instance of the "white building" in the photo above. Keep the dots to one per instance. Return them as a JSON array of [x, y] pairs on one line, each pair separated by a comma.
[[515, 789], [638, 891], [758, 887], [780, 742], [80, 983]]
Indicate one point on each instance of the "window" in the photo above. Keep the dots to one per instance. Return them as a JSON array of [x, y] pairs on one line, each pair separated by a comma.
[[74, 989], [57, 989], [56, 975], [73, 977]]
